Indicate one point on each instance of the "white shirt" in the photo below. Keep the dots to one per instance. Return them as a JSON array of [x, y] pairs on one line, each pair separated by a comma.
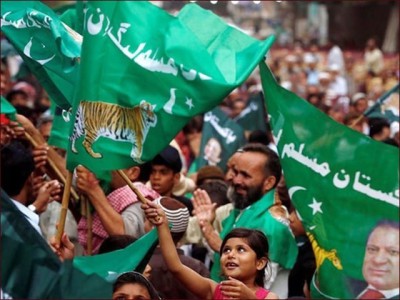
[[30, 215]]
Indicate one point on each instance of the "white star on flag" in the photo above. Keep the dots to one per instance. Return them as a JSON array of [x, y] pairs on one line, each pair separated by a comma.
[[189, 102], [316, 206]]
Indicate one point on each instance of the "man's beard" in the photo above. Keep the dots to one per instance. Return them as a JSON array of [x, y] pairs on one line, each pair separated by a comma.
[[241, 201]]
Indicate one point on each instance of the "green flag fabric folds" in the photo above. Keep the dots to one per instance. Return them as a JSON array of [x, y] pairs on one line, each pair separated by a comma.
[[145, 73], [50, 49], [341, 182], [220, 138], [30, 269]]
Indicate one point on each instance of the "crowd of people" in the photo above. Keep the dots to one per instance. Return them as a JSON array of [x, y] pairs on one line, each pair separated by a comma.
[[232, 233]]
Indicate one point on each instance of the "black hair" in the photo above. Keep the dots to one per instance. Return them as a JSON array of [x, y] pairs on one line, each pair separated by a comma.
[[259, 136], [272, 165], [217, 190], [17, 165], [257, 241], [116, 242], [385, 224], [377, 125], [135, 277]]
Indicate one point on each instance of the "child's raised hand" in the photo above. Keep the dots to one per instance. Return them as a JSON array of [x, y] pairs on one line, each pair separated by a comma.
[[235, 289], [154, 213]]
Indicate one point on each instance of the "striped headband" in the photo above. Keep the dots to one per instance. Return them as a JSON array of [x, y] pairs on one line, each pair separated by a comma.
[[176, 212]]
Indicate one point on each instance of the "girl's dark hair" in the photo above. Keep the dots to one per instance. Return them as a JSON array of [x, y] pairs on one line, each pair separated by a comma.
[[135, 277], [257, 241]]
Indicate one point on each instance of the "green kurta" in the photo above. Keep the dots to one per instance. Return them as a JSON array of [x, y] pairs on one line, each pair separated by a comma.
[[282, 245]]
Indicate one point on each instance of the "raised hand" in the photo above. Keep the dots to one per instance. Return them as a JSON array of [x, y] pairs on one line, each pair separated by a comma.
[[154, 213], [64, 250], [86, 181], [47, 193], [235, 289], [40, 158], [204, 209]]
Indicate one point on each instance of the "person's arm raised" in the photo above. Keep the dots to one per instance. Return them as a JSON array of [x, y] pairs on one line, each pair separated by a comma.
[[194, 282], [88, 184]]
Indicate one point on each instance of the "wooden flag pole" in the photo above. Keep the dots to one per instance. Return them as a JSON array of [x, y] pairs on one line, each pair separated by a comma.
[[133, 188], [356, 121], [53, 166], [64, 207], [89, 220]]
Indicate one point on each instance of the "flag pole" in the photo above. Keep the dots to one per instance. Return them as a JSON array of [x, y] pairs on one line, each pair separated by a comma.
[[89, 221], [64, 207], [381, 100], [53, 166], [378, 102], [133, 188]]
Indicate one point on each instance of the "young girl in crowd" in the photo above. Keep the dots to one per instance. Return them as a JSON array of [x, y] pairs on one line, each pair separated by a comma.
[[133, 285], [244, 257]]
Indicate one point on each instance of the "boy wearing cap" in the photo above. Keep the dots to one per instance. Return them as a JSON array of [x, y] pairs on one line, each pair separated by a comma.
[[165, 174], [162, 279]]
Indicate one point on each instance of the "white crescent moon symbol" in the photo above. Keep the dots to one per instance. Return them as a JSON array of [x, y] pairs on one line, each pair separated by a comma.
[[294, 189], [27, 52]]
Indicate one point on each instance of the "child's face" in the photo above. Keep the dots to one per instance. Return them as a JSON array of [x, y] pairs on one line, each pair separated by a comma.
[[239, 261], [131, 291], [162, 179]]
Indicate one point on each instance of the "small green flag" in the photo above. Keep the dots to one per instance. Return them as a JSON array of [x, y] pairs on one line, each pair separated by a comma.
[[340, 181], [386, 107], [49, 48], [220, 138], [145, 73], [7, 111], [253, 116], [30, 269], [60, 128]]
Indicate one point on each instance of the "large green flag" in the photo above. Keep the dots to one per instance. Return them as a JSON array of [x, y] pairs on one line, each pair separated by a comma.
[[145, 73], [341, 182], [253, 116], [50, 49], [30, 269], [220, 138]]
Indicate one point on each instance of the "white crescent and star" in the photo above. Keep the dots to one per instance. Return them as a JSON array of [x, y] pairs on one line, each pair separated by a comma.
[[27, 52], [316, 206], [189, 103], [294, 189]]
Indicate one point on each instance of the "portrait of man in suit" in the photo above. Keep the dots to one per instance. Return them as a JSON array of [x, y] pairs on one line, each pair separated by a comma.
[[381, 262]]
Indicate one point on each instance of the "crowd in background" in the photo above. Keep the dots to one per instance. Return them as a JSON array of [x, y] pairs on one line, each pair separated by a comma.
[[341, 84]]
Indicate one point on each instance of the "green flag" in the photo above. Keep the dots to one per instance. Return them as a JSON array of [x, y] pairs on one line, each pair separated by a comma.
[[73, 16], [145, 73], [253, 116], [340, 181], [385, 106], [60, 128], [7, 111], [50, 49], [220, 138], [30, 269]]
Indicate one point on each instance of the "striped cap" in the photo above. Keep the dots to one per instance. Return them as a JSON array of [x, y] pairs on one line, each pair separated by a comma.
[[176, 212]]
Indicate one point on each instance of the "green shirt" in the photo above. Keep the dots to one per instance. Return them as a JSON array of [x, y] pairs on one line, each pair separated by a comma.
[[282, 245]]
